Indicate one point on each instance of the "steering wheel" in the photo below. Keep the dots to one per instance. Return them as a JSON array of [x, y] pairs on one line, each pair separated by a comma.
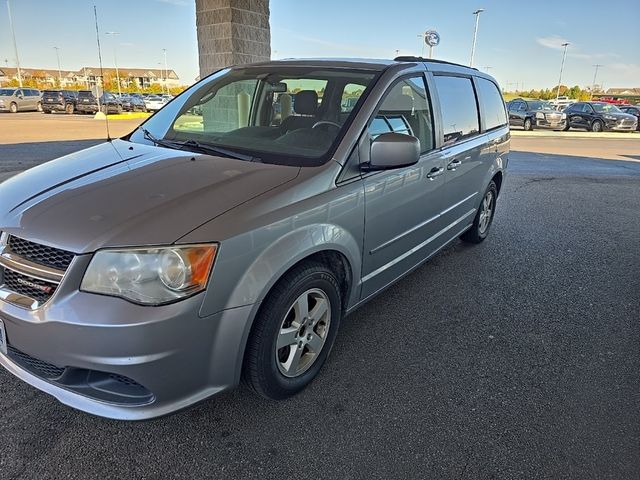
[[327, 122]]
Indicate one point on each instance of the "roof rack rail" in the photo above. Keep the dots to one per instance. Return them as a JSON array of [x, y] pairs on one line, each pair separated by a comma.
[[409, 58]]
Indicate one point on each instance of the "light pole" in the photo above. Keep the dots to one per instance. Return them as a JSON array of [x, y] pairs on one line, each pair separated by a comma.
[[166, 73], [593, 85], [115, 60], [59, 71], [15, 47], [475, 34], [564, 55], [422, 42]]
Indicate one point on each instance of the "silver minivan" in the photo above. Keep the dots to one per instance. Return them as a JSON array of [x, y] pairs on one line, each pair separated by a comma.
[[228, 236], [16, 100]]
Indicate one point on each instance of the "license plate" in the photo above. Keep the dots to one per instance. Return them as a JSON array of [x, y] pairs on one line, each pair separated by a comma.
[[3, 338]]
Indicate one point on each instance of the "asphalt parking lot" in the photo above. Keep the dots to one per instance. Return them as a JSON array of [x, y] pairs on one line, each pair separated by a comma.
[[515, 358]]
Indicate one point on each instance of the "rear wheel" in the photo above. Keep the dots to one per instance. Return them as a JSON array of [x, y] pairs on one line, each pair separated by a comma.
[[480, 228], [596, 126], [69, 108], [528, 125], [13, 108], [293, 332]]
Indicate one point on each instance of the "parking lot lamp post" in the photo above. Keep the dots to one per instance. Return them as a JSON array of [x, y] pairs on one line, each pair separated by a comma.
[[564, 55], [115, 60], [57, 49], [166, 72], [15, 47], [475, 34], [593, 84]]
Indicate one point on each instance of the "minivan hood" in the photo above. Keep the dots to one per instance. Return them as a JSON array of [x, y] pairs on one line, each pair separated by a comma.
[[125, 194]]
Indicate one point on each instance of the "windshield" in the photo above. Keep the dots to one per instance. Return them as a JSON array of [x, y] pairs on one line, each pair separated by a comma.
[[540, 106], [7, 91], [605, 108], [282, 114]]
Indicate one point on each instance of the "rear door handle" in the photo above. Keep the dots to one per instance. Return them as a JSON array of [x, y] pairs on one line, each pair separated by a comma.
[[435, 172], [454, 164]]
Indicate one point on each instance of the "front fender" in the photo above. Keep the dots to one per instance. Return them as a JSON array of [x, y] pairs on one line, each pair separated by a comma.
[[275, 260]]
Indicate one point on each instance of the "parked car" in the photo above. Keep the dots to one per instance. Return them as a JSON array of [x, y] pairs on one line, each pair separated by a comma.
[[59, 101], [132, 103], [16, 100], [148, 273], [88, 103], [632, 110], [598, 117], [154, 102], [531, 114]]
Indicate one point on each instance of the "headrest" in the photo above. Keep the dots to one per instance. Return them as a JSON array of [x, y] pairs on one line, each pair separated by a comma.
[[398, 103], [306, 102]]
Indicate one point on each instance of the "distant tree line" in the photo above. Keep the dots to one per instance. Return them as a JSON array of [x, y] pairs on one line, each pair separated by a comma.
[[574, 92]]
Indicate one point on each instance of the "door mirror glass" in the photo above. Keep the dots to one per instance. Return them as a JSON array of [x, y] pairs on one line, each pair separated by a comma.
[[393, 150]]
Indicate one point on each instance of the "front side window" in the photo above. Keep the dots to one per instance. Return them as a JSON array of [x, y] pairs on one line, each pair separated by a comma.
[[493, 113], [281, 114], [605, 108], [459, 108], [406, 109]]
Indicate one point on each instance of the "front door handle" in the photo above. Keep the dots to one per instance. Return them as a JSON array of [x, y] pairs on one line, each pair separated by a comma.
[[454, 164], [435, 172]]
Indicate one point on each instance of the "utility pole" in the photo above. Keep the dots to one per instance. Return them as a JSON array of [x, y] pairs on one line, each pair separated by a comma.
[[115, 60], [59, 71], [564, 55], [593, 85], [475, 35], [15, 47], [166, 72]]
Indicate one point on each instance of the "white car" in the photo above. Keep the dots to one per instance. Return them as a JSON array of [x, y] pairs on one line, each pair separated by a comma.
[[155, 103]]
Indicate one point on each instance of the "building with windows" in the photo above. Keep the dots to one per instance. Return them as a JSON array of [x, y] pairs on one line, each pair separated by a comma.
[[90, 77]]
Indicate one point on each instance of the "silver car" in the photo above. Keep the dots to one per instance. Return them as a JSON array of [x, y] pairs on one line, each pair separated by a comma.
[[16, 100], [229, 235]]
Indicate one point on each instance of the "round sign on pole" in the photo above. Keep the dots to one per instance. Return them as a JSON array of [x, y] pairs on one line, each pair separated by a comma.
[[432, 38]]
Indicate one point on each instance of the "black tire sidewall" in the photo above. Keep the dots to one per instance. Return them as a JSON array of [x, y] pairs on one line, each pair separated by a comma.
[[596, 122], [272, 383], [528, 125], [473, 235]]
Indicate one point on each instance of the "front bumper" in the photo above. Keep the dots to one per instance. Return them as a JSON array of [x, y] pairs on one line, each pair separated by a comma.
[[544, 123], [168, 356], [617, 126]]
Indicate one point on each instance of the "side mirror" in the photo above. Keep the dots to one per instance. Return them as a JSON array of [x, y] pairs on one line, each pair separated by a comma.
[[393, 150]]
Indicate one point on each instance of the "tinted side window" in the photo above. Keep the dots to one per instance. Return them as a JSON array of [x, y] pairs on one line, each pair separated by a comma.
[[459, 108], [406, 109], [493, 113]]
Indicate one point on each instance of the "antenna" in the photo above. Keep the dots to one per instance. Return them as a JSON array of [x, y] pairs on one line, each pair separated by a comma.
[[106, 121]]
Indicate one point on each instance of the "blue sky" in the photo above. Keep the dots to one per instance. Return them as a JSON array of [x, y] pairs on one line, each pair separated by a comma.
[[520, 41]]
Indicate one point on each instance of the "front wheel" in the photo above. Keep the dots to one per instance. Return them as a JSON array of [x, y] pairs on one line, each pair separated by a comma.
[[480, 228], [69, 108], [596, 126], [528, 125], [13, 108], [293, 332]]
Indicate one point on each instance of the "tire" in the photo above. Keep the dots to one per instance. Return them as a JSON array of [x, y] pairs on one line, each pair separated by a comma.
[[48, 111], [528, 125], [13, 108], [567, 126], [39, 107], [265, 369], [481, 225], [68, 108], [596, 126]]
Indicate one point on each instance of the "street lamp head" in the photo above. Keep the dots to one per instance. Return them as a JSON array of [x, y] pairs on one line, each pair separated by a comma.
[[566, 44], [112, 33], [478, 11]]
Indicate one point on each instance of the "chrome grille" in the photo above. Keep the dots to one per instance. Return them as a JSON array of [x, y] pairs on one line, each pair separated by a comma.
[[41, 254]]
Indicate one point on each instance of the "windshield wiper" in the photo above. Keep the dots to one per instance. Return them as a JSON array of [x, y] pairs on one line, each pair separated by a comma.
[[194, 144]]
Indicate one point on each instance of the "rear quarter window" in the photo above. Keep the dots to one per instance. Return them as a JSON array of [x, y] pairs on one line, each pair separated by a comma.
[[491, 104]]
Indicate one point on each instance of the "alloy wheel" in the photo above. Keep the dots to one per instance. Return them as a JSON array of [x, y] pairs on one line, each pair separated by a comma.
[[303, 332], [486, 212]]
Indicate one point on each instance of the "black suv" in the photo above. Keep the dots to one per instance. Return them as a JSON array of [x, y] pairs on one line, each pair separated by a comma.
[[535, 113], [88, 103], [59, 101], [632, 110], [599, 116]]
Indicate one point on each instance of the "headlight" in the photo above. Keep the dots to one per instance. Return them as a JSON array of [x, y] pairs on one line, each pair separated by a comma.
[[609, 117], [540, 115], [564, 116], [150, 276]]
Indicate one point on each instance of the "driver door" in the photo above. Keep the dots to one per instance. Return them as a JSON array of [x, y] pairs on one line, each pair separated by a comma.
[[402, 205]]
